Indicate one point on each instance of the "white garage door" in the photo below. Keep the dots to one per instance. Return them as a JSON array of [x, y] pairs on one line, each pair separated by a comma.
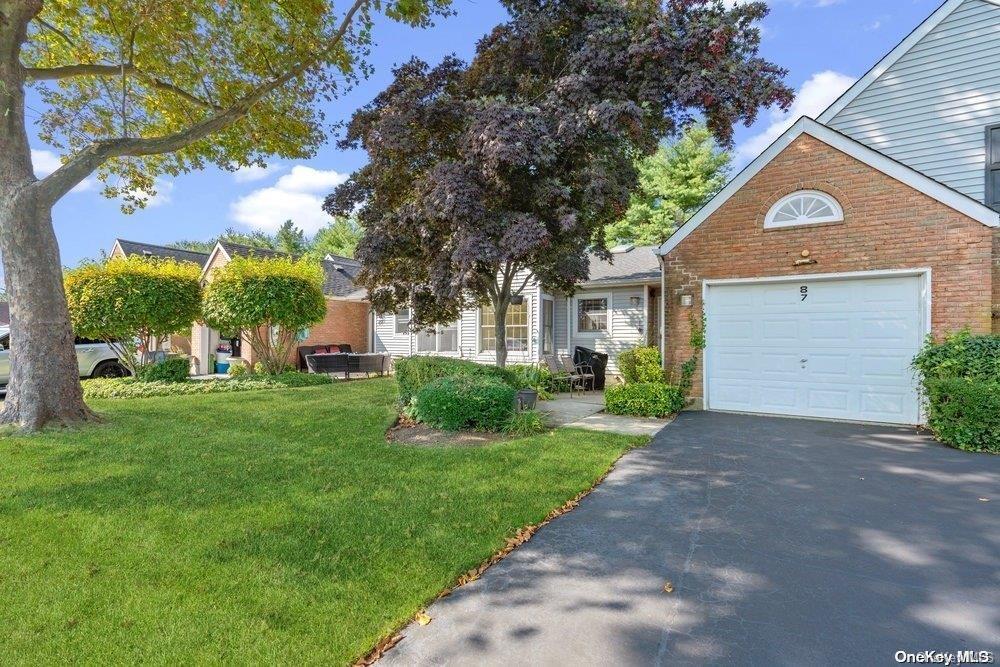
[[816, 348]]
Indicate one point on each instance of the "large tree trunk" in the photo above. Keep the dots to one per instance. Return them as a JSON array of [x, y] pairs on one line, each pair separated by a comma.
[[500, 315], [44, 383]]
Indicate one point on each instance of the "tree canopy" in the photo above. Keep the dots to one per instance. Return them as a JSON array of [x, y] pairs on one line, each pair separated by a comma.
[[519, 160], [674, 182], [268, 299], [128, 302], [339, 237]]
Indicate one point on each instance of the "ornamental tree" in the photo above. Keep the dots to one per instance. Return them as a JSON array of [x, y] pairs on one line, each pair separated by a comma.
[[135, 90], [514, 164], [269, 300], [674, 182], [131, 302]]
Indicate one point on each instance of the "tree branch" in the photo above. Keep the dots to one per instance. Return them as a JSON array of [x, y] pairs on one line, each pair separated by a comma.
[[81, 165], [85, 69]]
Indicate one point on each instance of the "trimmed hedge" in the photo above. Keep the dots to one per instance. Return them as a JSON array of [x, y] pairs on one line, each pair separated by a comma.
[[644, 399], [171, 369], [965, 413], [130, 387], [961, 385], [641, 364], [465, 401], [413, 373]]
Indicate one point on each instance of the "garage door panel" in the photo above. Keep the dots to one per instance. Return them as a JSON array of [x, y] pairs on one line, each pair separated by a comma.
[[844, 351]]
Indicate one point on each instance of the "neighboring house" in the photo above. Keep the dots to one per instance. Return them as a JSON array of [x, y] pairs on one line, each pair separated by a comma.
[[4, 313], [347, 308], [822, 266], [122, 248], [618, 308]]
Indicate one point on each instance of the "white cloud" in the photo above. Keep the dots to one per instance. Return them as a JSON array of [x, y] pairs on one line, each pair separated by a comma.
[[163, 195], [874, 25], [813, 97], [255, 172], [45, 162], [296, 196]]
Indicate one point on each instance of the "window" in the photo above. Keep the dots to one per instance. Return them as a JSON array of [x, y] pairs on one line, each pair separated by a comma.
[[992, 198], [592, 315], [403, 321], [805, 207], [440, 339], [516, 328], [548, 326]]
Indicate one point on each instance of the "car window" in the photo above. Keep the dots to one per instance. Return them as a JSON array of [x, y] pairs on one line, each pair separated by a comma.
[[5, 341], [87, 341]]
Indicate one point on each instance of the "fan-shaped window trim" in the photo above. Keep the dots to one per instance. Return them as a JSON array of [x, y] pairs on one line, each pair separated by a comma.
[[803, 207]]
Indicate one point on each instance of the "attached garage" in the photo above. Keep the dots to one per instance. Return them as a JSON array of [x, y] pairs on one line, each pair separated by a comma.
[[835, 346]]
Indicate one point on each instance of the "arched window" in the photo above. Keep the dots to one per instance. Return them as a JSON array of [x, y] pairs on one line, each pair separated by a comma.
[[804, 207]]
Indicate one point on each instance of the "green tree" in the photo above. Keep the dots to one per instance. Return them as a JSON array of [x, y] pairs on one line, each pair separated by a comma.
[[290, 239], [674, 183], [136, 90], [340, 237], [269, 300], [130, 302]]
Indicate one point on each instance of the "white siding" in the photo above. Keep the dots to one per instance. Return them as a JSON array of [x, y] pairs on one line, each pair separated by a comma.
[[929, 109], [386, 338], [627, 323]]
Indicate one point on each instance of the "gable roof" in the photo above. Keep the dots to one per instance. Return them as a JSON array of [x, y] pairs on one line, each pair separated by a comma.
[[338, 272], [151, 250], [889, 59], [897, 170], [629, 264]]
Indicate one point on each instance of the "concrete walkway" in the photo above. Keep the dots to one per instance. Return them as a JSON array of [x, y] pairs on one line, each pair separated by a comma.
[[785, 542], [586, 410]]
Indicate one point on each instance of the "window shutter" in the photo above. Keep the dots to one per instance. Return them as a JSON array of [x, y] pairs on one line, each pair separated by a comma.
[[992, 198]]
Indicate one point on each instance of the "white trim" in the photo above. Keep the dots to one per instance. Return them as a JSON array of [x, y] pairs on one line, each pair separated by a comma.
[[575, 312], [888, 166], [924, 273], [645, 315], [208, 262], [887, 61], [837, 211], [117, 245], [541, 325]]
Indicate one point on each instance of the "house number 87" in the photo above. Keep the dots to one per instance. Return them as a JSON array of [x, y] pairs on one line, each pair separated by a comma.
[[804, 291]]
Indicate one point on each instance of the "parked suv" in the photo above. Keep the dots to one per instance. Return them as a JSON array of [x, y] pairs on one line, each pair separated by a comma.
[[95, 358]]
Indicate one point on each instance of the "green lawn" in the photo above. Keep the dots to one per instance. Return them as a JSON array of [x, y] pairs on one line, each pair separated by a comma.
[[274, 526]]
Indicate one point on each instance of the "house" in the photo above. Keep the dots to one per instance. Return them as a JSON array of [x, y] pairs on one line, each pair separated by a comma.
[[616, 309], [347, 314], [823, 265]]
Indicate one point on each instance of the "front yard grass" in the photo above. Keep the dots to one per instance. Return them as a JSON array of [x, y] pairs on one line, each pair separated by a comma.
[[272, 526]]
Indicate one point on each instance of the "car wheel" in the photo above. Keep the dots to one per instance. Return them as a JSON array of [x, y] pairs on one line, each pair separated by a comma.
[[109, 369]]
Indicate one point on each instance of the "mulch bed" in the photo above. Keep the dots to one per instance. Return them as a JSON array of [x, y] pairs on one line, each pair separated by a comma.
[[410, 433]]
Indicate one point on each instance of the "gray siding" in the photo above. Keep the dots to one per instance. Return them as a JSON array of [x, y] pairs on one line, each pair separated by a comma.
[[627, 323], [929, 109]]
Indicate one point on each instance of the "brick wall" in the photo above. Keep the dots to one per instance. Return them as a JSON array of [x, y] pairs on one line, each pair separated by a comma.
[[996, 282], [887, 225]]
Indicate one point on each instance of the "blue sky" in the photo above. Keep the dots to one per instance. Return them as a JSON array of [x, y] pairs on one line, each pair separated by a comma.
[[824, 44]]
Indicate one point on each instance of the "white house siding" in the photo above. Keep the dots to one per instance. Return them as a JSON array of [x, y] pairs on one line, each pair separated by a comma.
[[929, 109], [386, 338], [627, 323]]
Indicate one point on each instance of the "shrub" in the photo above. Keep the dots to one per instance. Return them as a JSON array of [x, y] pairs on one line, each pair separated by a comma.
[[960, 355], [238, 369], [465, 401], [269, 299], [526, 376], [133, 388], [641, 364], [644, 399], [129, 301], [524, 423], [965, 413], [171, 369], [413, 373]]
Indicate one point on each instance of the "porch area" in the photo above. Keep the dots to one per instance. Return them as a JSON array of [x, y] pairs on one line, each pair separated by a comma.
[[586, 410]]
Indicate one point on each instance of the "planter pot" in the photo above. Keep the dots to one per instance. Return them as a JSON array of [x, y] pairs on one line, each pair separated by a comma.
[[526, 399]]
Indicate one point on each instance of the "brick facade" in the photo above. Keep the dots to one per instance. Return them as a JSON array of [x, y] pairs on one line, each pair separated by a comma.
[[887, 225]]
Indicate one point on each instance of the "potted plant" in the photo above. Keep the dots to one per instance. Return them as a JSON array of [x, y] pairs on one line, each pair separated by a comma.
[[526, 399]]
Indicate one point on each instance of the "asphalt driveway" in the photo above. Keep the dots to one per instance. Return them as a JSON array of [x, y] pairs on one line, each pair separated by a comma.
[[786, 541]]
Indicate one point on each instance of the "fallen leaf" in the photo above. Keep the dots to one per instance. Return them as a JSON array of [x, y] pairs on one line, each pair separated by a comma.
[[422, 618], [668, 587]]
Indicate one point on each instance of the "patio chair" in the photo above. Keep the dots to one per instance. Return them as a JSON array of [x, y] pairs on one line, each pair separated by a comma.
[[559, 376], [579, 374]]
